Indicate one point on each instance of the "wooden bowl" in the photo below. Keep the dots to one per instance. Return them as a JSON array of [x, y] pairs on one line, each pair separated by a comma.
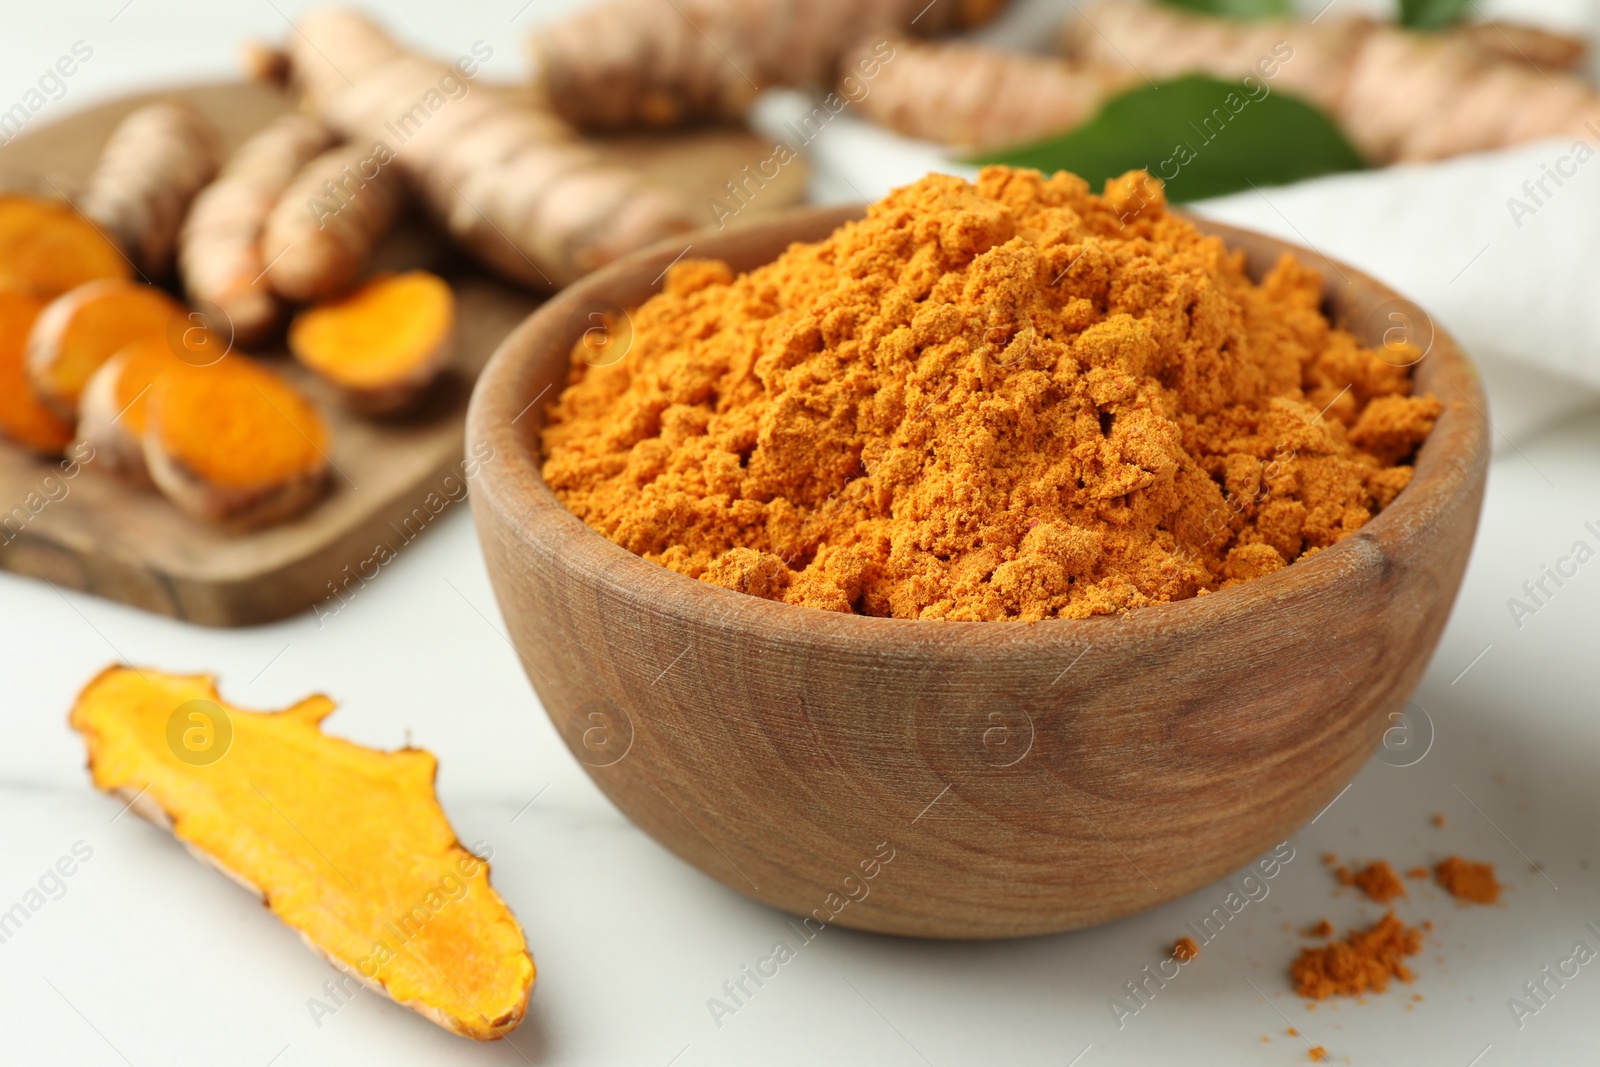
[[966, 780]]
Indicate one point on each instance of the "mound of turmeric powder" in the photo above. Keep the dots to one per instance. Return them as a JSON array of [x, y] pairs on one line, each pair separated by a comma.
[[1004, 400], [1363, 960]]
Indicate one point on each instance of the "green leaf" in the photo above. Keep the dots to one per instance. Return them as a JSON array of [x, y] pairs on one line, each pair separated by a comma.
[[1238, 9], [1432, 14], [1201, 136]]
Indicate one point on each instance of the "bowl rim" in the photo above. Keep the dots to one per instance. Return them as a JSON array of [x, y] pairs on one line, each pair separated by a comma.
[[1448, 467]]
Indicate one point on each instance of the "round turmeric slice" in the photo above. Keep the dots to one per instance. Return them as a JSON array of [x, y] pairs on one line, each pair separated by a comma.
[[46, 248], [113, 409], [80, 330], [382, 345], [23, 416], [234, 444]]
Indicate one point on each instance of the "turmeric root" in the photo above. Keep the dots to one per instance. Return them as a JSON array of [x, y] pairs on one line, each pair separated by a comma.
[[1528, 44], [156, 161], [965, 94], [645, 63], [23, 416], [47, 248], [79, 331], [510, 184], [112, 411], [347, 845], [219, 248], [1398, 95], [382, 345], [234, 444], [328, 221], [264, 64]]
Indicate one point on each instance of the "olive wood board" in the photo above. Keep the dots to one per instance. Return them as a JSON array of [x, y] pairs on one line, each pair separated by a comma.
[[94, 532]]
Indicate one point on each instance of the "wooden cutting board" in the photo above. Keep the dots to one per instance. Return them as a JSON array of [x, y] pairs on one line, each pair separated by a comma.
[[83, 528]]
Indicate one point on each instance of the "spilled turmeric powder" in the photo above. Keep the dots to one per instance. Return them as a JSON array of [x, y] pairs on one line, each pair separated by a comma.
[[1362, 960], [1185, 949], [1377, 880], [1004, 400], [1466, 880]]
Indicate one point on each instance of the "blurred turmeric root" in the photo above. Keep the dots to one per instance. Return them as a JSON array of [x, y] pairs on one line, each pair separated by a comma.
[[631, 63], [511, 184], [1399, 95]]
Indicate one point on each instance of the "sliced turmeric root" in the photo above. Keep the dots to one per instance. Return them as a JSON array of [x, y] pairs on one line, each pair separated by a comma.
[[112, 412], [23, 416], [345, 844], [82, 329], [47, 248], [234, 444], [382, 345]]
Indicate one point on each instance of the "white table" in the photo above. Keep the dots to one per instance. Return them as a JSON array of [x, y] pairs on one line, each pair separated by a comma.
[[146, 958]]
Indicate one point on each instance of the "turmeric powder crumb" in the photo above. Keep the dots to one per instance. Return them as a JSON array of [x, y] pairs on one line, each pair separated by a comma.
[[1004, 400], [1185, 949], [1323, 928], [1417, 872], [1377, 880], [1363, 960], [1437, 820], [1466, 880], [1317, 1054]]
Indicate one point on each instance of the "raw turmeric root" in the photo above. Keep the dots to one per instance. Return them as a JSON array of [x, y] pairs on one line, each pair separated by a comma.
[[966, 94], [1399, 95], [150, 170], [511, 184], [382, 345], [23, 416], [79, 331], [328, 221], [46, 248], [346, 845], [647, 63], [219, 248], [113, 410], [234, 444]]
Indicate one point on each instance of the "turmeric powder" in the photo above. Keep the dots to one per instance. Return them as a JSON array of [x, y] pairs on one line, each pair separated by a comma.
[[1363, 960], [1468, 881], [1377, 880], [1007, 400]]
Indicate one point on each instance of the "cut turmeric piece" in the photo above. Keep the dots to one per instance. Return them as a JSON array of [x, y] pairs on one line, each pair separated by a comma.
[[112, 410], [235, 444], [346, 845], [23, 416], [382, 345], [79, 331], [46, 248]]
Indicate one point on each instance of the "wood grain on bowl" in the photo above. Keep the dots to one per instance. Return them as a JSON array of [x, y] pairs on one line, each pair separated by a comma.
[[1025, 778]]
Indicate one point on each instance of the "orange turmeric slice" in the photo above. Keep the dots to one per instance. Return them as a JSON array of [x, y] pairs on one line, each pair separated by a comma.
[[235, 444], [113, 408], [47, 248], [80, 330], [345, 844], [382, 345], [23, 417]]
